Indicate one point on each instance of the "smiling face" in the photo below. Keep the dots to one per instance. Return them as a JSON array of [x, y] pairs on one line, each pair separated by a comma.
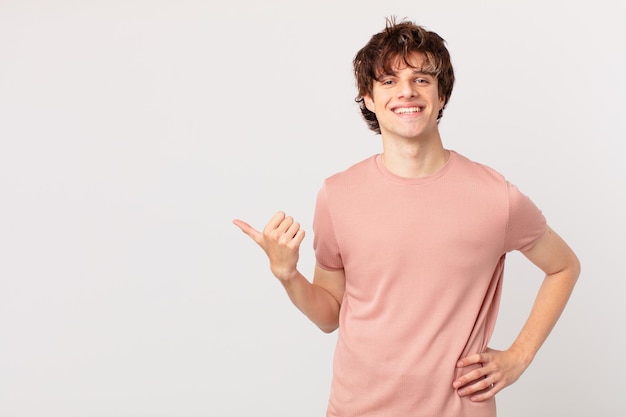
[[406, 102]]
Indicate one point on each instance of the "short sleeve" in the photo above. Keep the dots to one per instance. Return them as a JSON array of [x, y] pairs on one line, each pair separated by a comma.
[[525, 222], [325, 244]]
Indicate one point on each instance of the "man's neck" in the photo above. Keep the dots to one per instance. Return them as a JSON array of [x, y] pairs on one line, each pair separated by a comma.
[[414, 159]]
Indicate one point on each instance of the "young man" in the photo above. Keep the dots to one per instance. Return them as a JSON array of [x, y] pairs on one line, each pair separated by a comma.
[[410, 247]]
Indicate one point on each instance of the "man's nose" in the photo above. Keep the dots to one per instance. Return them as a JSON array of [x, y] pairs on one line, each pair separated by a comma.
[[407, 88]]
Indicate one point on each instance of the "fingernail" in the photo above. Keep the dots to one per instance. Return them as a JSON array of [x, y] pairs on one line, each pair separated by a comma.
[[459, 364]]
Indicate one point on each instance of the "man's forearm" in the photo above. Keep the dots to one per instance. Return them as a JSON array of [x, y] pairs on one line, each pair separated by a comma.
[[499, 369], [314, 301], [548, 306]]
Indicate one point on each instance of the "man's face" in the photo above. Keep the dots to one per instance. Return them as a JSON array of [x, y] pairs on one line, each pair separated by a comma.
[[406, 102]]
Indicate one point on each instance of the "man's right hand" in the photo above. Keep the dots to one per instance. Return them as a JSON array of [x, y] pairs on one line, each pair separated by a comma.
[[280, 239]]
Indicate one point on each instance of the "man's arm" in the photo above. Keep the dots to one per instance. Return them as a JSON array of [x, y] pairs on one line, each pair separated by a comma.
[[502, 368], [320, 301]]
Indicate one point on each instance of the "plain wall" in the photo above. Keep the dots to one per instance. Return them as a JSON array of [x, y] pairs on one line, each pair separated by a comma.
[[133, 132]]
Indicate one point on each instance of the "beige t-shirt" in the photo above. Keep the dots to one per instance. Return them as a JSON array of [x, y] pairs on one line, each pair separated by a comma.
[[423, 261]]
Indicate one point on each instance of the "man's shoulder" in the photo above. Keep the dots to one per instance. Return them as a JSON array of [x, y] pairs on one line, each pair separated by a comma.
[[354, 172], [477, 169]]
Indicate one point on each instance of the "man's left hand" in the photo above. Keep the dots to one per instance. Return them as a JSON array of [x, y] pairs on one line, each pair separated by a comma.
[[498, 369]]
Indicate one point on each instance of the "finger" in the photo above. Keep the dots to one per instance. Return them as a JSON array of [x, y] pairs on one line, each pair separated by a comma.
[[249, 230], [470, 377], [293, 228], [285, 226], [476, 386], [298, 238], [274, 222], [470, 360], [481, 395]]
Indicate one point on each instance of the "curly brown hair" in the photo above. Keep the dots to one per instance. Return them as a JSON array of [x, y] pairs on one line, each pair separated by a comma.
[[398, 41]]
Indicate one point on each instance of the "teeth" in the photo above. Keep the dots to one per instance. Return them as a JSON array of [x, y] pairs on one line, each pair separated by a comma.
[[407, 110]]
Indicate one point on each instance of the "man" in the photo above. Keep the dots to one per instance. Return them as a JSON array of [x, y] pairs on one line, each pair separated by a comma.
[[410, 247]]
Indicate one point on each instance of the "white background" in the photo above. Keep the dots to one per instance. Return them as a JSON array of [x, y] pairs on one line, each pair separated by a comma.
[[133, 132]]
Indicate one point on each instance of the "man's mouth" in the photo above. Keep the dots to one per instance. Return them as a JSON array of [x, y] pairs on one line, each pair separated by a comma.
[[407, 110]]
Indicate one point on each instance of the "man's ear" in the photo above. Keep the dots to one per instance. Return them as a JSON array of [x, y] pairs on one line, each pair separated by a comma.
[[369, 103]]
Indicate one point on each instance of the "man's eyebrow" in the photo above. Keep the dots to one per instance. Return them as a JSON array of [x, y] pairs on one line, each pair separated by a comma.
[[416, 71], [422, 71]]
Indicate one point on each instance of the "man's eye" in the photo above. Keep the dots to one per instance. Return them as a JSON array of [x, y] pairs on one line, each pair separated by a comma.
[[387, 82], [421, 81]]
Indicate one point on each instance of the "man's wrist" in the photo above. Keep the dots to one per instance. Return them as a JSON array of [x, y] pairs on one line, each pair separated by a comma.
[[526, 354], [287, 276]]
